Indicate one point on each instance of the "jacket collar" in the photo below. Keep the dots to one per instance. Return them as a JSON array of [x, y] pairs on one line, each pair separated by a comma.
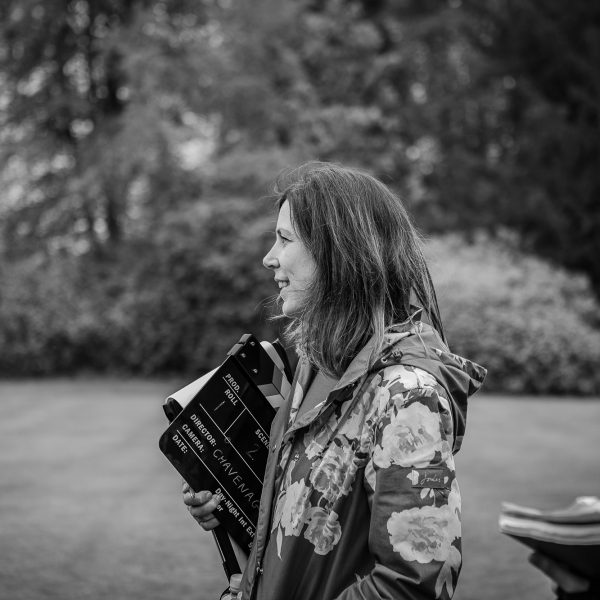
[[352, 377]]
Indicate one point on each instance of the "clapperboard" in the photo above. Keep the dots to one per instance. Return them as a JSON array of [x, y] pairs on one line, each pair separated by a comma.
[[218, 438]]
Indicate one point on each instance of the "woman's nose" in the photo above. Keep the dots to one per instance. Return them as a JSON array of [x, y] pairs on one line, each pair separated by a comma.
[[270, 261]]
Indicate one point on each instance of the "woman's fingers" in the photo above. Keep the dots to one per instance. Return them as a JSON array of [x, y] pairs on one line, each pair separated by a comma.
[[201, 506], [567, 580], [209, 524], [203, 512], [192, 499]]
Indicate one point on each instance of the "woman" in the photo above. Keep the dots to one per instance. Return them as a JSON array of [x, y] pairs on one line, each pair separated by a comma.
[[360, 498]]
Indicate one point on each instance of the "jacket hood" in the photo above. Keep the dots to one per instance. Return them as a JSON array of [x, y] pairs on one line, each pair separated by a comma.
[[417, 344]]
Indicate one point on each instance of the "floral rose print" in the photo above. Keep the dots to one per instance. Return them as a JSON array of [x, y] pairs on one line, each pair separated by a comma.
[[370, 476], [372, 468], [291, 508], [424, 533], [355, 424], [296, 401], [380, 398], [328, 477], [411, 378], [294, 511], [315, 442], [313, 448], [290, 511], [294, 508], [445, 578], [323, 531], [411, 438]]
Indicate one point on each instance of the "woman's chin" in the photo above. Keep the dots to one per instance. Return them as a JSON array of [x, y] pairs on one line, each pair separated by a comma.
[[292, 302], [290, 309], [287, 311]]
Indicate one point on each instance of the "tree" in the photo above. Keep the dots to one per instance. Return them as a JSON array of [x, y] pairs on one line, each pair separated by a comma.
[[85, 133], [519, 130]]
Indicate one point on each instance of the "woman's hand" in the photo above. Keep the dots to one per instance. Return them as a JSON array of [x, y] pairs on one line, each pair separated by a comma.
[[201, 506], [564, 579]]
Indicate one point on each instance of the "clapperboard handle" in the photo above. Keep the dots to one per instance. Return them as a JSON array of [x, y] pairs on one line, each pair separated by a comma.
[[228, 557]]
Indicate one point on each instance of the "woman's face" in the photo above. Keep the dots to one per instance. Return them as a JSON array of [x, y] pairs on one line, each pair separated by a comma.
[[292, 265]]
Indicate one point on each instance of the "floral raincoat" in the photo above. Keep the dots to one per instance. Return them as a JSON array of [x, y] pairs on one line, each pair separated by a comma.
[[360, 499]]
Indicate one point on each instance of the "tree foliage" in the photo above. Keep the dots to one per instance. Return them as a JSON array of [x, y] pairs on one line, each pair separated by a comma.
[[534, 93], [118, 119], [86, 136]]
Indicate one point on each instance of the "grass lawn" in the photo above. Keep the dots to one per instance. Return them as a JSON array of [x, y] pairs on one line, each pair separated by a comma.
[[90, 509]]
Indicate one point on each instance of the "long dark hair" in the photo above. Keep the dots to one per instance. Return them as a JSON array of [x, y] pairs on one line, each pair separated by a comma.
[[369, 262]]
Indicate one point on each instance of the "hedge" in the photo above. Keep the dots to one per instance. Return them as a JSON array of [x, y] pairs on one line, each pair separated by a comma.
[[534, 326], [176, 301]]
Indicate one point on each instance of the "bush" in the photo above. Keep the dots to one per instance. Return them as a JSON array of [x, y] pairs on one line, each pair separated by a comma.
[[173, 303], [176, 302], [535, 327]]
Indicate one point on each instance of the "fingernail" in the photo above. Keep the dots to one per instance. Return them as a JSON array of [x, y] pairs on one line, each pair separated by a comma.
[[205, 496]]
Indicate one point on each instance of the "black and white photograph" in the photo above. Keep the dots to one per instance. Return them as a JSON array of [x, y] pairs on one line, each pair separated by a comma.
[[299, 299]]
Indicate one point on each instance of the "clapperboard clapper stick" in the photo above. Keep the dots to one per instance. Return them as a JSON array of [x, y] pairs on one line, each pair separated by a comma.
[[218, 438]]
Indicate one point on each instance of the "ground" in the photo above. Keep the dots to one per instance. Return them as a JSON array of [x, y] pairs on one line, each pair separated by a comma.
[[90, 509]]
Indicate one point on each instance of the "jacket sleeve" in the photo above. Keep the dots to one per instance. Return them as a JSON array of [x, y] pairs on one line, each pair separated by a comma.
[[414, 529]]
